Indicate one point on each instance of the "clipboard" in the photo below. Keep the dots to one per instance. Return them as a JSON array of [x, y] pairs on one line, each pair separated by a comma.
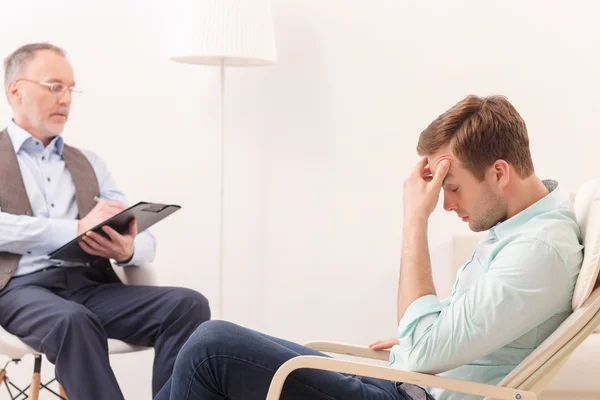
[[146, 214]]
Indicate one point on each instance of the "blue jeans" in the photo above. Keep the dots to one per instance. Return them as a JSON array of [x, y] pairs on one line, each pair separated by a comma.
[[222, 360]]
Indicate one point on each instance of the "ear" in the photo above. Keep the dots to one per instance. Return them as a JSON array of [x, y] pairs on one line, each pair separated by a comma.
[[13, 93], [499, 172]]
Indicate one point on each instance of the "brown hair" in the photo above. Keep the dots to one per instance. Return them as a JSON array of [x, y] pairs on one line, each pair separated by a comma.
[[15, 64], [481, 130]]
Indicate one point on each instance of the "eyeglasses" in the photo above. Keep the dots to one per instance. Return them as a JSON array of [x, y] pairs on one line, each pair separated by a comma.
[[56, 88]]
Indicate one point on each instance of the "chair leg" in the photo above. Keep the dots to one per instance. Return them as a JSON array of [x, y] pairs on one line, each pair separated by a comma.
[[34, 389], [62, 393], [2, 376]]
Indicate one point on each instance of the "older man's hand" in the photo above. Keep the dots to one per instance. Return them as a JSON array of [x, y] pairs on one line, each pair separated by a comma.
[[117, 247]]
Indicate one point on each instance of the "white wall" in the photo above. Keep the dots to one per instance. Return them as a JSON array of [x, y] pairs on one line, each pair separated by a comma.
[[317, 146]]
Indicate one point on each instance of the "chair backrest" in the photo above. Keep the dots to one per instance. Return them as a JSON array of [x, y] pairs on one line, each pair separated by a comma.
[[535, 372], [587, 209]]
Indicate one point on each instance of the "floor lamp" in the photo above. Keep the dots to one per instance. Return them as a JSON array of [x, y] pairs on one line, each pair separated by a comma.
[[223, 33]]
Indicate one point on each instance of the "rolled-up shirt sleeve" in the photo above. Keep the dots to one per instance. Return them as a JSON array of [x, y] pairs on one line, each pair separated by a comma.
[[524, 286], [421, 314]]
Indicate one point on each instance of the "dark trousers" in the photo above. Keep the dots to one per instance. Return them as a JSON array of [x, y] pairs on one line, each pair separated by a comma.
[[222, 360], [68, 314]]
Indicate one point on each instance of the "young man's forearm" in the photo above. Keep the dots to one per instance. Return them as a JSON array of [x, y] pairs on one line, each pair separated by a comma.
[[415, 269]]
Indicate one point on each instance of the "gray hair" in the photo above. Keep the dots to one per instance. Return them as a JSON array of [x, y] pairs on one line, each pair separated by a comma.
[[15, 64]]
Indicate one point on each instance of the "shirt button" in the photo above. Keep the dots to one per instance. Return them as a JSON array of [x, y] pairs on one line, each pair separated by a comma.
[[37, 143], [48, 179], [43, 158], [28, 252], [52, 205]]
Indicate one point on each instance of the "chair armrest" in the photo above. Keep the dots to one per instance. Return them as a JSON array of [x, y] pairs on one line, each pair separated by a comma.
[[349, 349], [134, 275], [391, 374]]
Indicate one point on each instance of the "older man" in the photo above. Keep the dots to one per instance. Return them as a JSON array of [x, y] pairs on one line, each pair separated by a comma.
[[68, 310]]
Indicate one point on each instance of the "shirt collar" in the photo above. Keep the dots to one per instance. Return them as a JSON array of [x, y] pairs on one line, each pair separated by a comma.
[[550, 202], [20, 137], [59, 145]]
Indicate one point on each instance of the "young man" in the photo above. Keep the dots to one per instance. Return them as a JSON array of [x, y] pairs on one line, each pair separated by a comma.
[[509, 297], [47, 198]]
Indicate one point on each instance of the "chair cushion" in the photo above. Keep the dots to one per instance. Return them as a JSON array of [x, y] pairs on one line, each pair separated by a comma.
[[587, 210]]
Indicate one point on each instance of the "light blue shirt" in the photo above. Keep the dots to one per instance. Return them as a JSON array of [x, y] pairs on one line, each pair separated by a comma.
[[51, 192], [507, 299]]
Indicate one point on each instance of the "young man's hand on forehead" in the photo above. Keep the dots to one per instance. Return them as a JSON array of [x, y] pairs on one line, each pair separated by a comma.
[[422, 189]]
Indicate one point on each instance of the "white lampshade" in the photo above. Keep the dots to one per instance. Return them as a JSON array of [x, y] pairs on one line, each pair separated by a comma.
[[235, 32]]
